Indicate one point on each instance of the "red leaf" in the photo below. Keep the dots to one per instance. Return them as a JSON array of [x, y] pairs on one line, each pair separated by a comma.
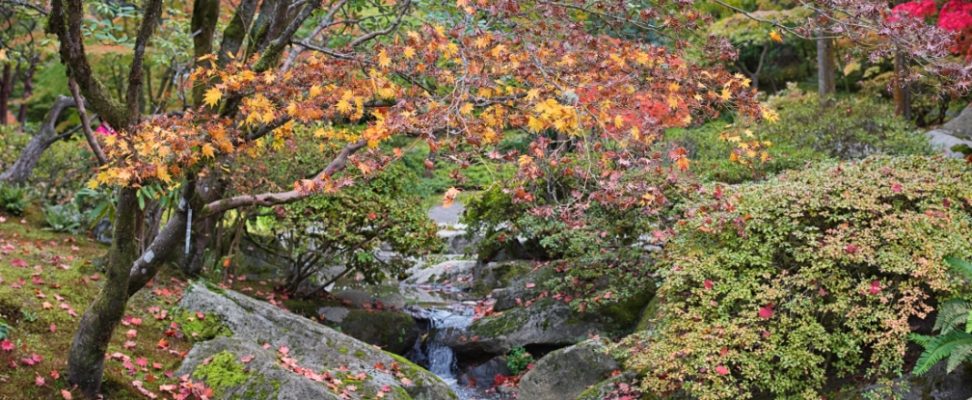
[[875, 287], [722, 370], [707, 284], [7, 345]]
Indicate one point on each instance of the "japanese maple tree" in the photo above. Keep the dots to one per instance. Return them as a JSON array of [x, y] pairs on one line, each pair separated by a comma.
[[459, 78]]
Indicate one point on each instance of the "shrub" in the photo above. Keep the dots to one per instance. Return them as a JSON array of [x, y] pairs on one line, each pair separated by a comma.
[[63, 217], [851, 128], [518, 360], [13, 199], [776, 289], [346, 229]]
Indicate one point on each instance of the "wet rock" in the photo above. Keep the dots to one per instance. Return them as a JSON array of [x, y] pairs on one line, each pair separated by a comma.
[[394, 331], [484, 375], [626, 383], [312, 345], [456, 273], [545, 324], [457, 241], [566, 373]]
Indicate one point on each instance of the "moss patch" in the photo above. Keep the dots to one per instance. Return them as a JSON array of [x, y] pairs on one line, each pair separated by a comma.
[[221, 373], [199, 329]]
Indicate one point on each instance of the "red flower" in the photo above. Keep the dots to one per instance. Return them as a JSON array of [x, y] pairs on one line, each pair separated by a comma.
[[915, 9]]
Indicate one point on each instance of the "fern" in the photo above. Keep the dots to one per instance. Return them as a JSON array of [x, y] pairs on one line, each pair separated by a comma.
[[942, 346], [952, 314], [961, 266]]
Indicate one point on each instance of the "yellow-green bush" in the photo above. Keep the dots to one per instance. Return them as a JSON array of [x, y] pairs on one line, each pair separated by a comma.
[[776, 289]]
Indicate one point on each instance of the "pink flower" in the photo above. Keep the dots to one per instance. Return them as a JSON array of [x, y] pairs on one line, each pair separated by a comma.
[[105, 130], [766, 312], [875, 287]]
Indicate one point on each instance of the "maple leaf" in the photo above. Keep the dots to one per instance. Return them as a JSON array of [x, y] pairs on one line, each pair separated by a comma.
[[6, 345], [467, 108], [408, 52], [66, 395], [449, 197], [766, 312], [212, 97], [383, 60], [208, 150], [40, 381], [343, 106], [776, 37]]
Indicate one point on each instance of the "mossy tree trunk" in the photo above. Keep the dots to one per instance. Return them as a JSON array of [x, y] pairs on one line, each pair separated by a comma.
[[87, 355]]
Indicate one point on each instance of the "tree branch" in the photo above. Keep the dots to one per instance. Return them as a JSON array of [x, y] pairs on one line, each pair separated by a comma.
[[65, 23], [86, 123], [151, 16], [290, 196]]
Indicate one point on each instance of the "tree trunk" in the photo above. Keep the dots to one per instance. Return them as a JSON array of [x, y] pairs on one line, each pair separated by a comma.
[[902, 89], [21, 169], [86, 359], [6, 87], [28, 88], [826, 81]]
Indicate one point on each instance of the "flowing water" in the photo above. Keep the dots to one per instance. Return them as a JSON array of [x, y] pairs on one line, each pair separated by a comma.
[[430, 352]]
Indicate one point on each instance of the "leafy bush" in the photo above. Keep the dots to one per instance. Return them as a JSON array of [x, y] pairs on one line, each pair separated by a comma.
[[518, 360], [596, 245], [851, 128], [63, 217], [346, 228], [13, 199], [776, 289], [953, 342]]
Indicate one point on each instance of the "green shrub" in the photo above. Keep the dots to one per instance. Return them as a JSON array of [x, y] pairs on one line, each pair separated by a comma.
[[63, 217], [776, 289], [851, 128], [518, 360], [13, 199]]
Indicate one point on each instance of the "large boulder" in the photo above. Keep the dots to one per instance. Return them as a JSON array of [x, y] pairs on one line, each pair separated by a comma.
[[946, 142], [566, 373], [392, 330], [961, 125], [290, 354], [545, 324]]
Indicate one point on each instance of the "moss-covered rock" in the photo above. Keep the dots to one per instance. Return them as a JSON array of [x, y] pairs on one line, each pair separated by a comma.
[[394, 331], [312, 346], [566, 373]]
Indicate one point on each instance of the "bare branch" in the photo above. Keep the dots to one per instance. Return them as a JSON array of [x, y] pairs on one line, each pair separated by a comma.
[[86, 123]]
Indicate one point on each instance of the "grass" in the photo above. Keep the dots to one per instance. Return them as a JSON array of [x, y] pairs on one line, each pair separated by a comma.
[[45, 277]]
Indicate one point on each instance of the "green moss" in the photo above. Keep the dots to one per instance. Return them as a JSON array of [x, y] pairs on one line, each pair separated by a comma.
[[497, 325], [221, 373], [199, 329]]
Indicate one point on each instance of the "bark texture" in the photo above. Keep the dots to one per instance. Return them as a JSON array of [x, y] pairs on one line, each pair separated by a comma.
[[86, 359]]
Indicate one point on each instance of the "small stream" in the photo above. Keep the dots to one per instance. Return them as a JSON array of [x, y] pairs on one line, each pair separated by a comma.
[[446, 318]]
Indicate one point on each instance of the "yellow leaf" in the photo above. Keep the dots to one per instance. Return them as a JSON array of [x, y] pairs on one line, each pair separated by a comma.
[[776, 37], [383, 60], [343, 106], [212, 96], [466, 109], [408, 52], [851, 68], [533, 94], [208, 150]]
